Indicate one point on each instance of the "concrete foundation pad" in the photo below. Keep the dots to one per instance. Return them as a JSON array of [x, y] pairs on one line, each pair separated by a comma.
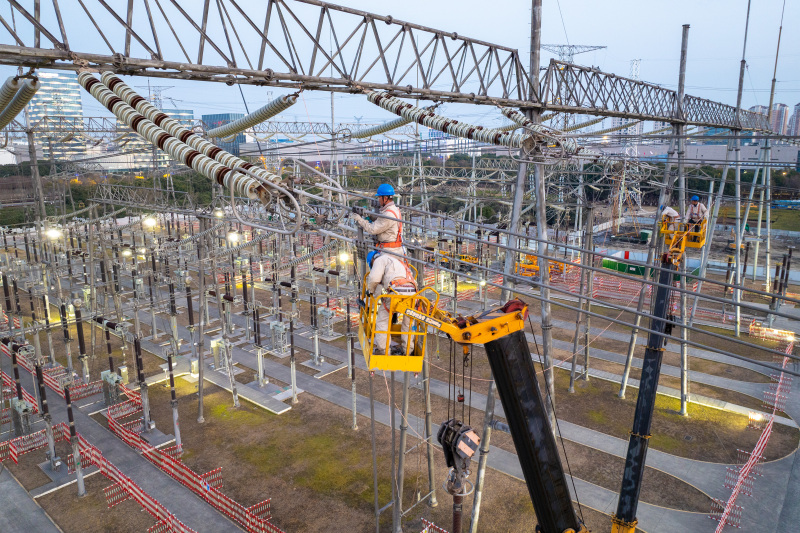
[[156, 438], [323, 369], [255, 395], [279, 355], [268, 388], [236, 371], [59, 478], [286, 394]]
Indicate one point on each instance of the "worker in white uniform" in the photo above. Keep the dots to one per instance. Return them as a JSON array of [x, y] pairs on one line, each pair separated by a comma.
[[387, 229], [389, 274], [669, 216], [696, 214]]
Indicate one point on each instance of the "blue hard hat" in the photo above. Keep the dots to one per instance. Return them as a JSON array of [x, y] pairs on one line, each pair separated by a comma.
[[695, 198], [384, 189], [371, 257]]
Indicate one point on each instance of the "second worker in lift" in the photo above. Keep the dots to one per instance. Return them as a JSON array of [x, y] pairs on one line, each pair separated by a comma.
[[389, 274], [387, 229]]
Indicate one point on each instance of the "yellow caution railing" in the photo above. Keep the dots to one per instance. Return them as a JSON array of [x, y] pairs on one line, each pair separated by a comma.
[[693, 234]]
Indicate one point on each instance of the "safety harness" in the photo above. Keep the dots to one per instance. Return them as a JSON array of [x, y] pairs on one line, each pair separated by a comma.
[[406, 281], [398, 242]]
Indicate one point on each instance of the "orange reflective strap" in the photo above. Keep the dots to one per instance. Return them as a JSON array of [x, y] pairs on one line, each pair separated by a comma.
[[398, 242]]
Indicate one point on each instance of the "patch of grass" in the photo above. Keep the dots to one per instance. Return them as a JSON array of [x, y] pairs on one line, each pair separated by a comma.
[[782, 219], [334, 462], [597, 416], [714, 432]]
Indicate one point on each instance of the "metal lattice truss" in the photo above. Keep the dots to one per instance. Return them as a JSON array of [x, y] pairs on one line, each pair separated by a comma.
[[483, 164], [704, 112], [95, 127], [576, 89], [156, 199], [276, 42], [315, 45]]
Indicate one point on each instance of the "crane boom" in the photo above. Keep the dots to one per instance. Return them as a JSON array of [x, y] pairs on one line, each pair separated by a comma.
[[517, 386]]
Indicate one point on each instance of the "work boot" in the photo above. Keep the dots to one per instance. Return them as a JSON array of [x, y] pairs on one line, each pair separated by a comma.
[[397, 350]]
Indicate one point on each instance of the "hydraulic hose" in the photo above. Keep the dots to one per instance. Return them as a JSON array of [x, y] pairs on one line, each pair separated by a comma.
[[257, 117], [18, 103]]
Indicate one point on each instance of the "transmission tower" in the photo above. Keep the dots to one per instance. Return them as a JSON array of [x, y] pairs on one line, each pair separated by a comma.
[[155, 94], [567, 52]]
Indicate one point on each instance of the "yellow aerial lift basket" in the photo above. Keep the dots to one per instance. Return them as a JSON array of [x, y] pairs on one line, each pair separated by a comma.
[[422, 312], [529, 267], [397, 305], [694, 235]]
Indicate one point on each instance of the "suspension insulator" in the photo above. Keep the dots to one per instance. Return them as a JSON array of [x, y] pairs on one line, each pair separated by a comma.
[[174, 128], [372, 131], [453, 127], [240, 183], [257, 117], [7, 91], [18, 103]]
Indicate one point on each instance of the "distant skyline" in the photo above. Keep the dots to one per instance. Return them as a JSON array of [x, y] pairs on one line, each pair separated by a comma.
[[630, 29]]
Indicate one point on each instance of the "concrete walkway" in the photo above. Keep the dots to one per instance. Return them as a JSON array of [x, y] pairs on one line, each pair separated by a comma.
[[753, 389], [20, 512], [179, 500]]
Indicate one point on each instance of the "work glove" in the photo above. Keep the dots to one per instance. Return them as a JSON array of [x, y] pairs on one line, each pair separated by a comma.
[[357, 210]]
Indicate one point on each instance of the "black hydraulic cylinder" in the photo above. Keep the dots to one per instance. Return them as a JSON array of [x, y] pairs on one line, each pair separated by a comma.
[[15, 366], [137, 351], [173, 308], [785, 284], [70, 416], [646, 400], [515, 377]]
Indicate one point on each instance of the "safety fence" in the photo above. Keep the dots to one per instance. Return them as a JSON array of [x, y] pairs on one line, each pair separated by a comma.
[[15, 448], [620, 290], [8, 382], [430, 527], [57, 377], [4, 321], [254, 519], [123, 488], [740, 479], [764, 333]]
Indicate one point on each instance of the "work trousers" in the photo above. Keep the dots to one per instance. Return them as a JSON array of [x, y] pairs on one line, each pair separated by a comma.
[[382, 323]]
